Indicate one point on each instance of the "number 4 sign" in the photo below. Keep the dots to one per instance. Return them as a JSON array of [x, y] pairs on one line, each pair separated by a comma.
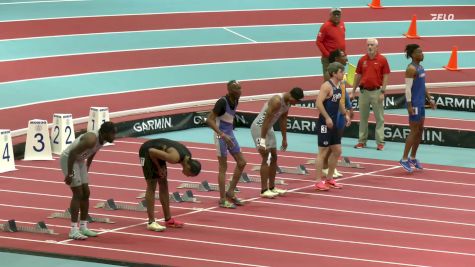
[[62, 132], [7, 162], [38, 146]]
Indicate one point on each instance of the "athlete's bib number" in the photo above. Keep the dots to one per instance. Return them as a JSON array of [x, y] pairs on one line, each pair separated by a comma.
[[323, 129]]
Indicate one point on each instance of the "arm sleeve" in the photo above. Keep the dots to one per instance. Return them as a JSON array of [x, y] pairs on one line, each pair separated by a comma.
[[219, 107], [409, 82]]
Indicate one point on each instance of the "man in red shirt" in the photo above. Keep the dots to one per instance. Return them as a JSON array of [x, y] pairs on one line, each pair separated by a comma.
[[330, 38], [372, 74]]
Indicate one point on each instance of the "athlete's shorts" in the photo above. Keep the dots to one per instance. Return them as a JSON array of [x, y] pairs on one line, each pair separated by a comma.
[[270, 137], [222, 148], [151, 171], [80, 171], [419, 114], [328, 137]]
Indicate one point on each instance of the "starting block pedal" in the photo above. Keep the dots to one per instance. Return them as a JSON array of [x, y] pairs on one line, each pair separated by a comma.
[[345, 162], [67, 215], [187, 197], [111, 205], [204, 186], [142, 195], [246, 179], [175, 196], [39, 228], [301, 170]]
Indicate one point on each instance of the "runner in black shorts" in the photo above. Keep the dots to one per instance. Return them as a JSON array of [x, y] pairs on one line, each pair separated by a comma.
[[328, 103], [154, 155]]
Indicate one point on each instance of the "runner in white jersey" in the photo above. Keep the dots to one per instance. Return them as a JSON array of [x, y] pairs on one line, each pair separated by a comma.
[[276, 108], [75, 162]]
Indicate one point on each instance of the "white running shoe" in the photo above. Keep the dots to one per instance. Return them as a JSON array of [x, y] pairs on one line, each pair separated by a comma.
[[76, 234], [155, 227], [279, 191], [337, 174], [87, 232], [269, 194]]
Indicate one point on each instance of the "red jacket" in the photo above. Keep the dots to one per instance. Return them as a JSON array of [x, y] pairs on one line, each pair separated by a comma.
[[331, 37]]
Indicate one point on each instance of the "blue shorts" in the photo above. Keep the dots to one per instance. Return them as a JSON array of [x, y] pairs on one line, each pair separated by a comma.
[[328, 137], [419, 114], [222, 149]]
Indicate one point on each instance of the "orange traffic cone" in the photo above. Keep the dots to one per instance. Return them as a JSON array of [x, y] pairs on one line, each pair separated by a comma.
[[452, 65], [412, 32], [375, 4]]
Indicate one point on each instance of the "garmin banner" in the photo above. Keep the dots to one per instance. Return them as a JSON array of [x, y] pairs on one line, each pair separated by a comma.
[[392, 133], [398, 101]]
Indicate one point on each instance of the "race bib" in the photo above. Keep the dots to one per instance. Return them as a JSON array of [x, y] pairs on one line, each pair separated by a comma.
[[323, 129]]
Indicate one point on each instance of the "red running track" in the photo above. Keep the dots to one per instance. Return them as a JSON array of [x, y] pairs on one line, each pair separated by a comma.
[[382, 217], [151, 58], [52, 27]]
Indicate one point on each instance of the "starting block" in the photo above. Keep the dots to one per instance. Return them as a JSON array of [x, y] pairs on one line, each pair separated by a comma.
[[39, 228], [246, 179], [111, 205], [67, 215], [301, 170], [204, 186], [187, 197], [345, 162]]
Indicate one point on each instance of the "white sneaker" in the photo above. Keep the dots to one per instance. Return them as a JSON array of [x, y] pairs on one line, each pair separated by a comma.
[[279, 191], [269, 194], [155, 227], [337, 174], [87, 232], [76, 234]]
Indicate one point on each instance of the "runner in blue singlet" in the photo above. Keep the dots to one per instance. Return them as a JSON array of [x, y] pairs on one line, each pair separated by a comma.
[[416, 95]]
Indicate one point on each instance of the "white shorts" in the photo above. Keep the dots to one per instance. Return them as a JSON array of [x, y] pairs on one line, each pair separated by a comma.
[[80, 172], [270, 137]]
